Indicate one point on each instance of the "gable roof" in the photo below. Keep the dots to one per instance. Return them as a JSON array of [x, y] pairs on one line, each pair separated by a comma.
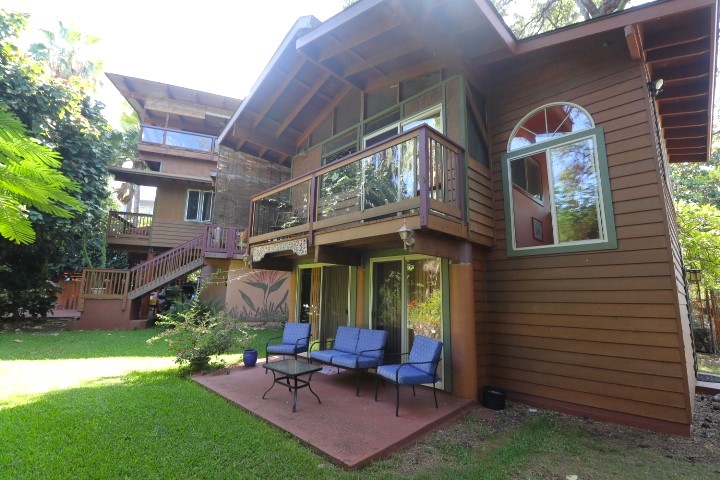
[[185, 108], [375, 43]]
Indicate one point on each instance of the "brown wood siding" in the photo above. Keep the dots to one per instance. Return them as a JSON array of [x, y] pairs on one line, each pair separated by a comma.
[[481, 332], [172, 234], [597, 329], [480, 204]]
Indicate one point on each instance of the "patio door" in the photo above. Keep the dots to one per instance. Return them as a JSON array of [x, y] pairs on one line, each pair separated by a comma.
[[323, 299], [407, 300]]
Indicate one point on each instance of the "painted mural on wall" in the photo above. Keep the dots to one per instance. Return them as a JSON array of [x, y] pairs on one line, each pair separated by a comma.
[[264, 295]]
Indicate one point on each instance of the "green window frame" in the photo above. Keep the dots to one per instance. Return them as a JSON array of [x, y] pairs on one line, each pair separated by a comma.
[[606, 235]]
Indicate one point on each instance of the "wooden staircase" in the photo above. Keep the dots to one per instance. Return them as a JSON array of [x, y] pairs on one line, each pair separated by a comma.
[[111, 284]]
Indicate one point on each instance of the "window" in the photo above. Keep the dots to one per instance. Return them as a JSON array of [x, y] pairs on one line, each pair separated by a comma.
[[199, 206], [431, 117], [556, 184]]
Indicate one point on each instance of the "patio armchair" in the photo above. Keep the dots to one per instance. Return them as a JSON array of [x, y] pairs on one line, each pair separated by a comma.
[[421, 368], [295, 339]]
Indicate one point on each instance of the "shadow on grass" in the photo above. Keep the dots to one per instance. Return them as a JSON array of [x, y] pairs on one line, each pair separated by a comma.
[[97, 344], [146, 425]]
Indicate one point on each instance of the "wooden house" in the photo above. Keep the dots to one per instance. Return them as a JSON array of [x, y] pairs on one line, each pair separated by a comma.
[[200, 212], [527, 177]]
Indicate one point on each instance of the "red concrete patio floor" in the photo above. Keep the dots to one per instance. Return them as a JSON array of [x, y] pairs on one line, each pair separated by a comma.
[[351, 430]]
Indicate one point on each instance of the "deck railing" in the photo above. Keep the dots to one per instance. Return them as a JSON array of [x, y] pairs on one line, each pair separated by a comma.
[[130, 225], [105, 283], [418, 170]]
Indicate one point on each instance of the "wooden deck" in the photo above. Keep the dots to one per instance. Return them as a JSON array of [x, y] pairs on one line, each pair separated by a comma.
[[350, 430]]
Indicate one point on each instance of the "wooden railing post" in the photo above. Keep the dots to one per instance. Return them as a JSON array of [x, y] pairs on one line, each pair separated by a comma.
[[422, 161], [311, 208]]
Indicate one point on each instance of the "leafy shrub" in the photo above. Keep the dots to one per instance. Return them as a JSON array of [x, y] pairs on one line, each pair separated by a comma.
[[197, 332]]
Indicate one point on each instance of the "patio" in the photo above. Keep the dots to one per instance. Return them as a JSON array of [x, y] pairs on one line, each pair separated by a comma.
[[350, 430]]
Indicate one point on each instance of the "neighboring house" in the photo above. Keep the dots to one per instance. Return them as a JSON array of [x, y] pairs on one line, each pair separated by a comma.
[[532, 178], [193, 221]]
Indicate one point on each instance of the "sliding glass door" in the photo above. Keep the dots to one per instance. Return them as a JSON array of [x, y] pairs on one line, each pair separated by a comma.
[[324, 299], [407, 300]]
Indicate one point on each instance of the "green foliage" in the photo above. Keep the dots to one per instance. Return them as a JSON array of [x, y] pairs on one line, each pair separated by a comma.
[[699, 227], [64, 54], [424, 317], [61, 115], [29, 177], [197, 332], [546, 15]]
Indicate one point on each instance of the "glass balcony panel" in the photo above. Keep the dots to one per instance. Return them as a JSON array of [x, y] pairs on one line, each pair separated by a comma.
[[152, 135], [389, 175], [340, 191], [188, 140], [280, 210]]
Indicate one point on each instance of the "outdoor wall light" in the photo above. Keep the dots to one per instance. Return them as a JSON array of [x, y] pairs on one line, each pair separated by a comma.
[[694, 275], [656, 87], [407, 236]]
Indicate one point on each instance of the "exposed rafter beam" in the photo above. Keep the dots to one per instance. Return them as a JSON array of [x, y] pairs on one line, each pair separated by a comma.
[[680, 73], [686, 143], [301, 104], [261, 139], [696, 106], [498, 25], [381, 57], [326, 111], [679, 121], [682, 133], [276, 94], [329, 70], [683, 92], [672, 38], [678, 52], [387, 24]]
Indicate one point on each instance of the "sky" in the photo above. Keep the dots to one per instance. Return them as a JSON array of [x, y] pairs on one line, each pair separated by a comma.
[[216, 46]]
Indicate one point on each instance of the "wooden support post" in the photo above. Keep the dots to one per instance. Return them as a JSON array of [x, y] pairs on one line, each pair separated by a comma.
[[462, 326]]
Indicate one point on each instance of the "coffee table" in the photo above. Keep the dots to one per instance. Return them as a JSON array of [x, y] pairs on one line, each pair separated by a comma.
[[290, 371]]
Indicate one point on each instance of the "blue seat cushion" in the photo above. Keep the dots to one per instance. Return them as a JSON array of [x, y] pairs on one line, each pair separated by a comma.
[[295, 332], [326, 356], [372, 340], [346, 339], [284, 349], [425, 349], [356, 361], [409, 374]]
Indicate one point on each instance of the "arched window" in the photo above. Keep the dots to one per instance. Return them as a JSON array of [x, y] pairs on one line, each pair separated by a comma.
[[557, 192]]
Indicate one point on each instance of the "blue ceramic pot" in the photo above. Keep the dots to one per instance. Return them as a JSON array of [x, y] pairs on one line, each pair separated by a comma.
[[250, 357]]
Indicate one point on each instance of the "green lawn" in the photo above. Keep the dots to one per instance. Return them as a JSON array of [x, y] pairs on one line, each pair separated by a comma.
[[105, 405]]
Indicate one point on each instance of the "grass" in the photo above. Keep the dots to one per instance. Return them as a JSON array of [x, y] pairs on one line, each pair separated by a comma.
[[709, 363], [106, 405]]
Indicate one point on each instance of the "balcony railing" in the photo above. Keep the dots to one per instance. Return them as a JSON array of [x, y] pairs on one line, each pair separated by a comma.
[[417, 170], [129, 225], [177, 138]]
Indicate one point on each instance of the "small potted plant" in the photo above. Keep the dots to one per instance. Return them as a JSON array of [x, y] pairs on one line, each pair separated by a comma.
[[250, 354]]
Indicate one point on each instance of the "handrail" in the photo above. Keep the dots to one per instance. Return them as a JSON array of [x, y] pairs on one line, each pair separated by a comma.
[[166, 263], [129, 224], [436, 174]]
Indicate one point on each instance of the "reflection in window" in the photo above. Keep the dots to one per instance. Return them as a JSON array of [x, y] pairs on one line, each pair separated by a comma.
[[576, 193], [556, 195], [526, 175], [548, 123], [390, 175]]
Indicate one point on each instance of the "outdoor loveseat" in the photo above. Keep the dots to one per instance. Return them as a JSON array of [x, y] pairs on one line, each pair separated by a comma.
[[354, 349]]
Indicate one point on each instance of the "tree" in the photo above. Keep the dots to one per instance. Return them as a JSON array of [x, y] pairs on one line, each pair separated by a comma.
[[29, 177], [63, 54], [546, 15], [699, 227], [61, 115]]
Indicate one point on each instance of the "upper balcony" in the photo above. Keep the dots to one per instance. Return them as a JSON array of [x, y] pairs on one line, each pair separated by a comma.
[[417, 178], [183, 144]]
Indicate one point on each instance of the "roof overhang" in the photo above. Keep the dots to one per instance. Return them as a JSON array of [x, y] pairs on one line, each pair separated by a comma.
[[376, 43], [153, 179], [181, 108]]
